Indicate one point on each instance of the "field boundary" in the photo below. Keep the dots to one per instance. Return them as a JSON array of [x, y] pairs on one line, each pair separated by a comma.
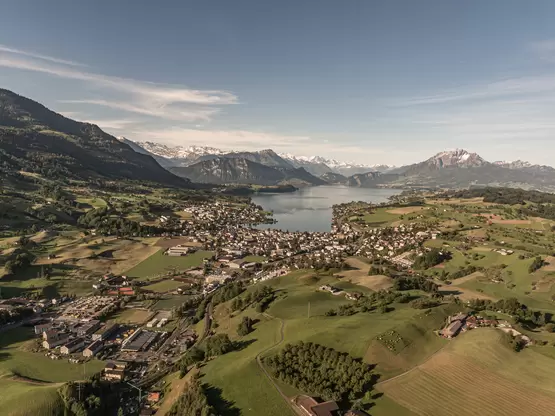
[[261, 365]]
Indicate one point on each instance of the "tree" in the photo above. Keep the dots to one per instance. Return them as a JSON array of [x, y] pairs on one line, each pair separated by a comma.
[[120, 412], [219, 344], [245, 327]]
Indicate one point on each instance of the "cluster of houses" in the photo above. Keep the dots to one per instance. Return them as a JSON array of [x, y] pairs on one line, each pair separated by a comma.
[[462, 322], [389, 243], [112, 285]]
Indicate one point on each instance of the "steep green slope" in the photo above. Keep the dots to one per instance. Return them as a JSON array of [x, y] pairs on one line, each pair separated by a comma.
[[37, 140]]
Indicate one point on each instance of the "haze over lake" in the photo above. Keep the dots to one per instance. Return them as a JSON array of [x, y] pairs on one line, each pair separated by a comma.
[[310, 209]]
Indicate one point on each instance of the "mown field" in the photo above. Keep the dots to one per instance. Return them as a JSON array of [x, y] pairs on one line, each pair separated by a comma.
[[169, 303], [477, 374], [164, 286], [131, 316], [159, 264]]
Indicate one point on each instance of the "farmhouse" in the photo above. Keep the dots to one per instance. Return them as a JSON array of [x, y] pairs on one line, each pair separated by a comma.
[[456, 323], [452, 329], [310, 407], [331, 289]]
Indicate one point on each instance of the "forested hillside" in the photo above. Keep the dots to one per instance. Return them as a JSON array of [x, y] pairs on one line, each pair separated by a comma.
[[37, 140]]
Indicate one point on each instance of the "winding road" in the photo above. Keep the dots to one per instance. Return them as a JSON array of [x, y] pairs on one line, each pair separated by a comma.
[[268, 376]]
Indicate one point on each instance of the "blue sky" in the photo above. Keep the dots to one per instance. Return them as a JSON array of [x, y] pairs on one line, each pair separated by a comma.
[[367, 81]]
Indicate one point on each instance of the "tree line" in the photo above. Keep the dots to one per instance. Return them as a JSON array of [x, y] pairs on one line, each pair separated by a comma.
[[321, 371]]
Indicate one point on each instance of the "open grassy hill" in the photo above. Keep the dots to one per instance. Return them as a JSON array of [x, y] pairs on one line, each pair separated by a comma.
[[478, 374], [18, 398], [237, 378]]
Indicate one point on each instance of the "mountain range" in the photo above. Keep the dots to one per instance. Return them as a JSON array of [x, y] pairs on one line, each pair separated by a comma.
[[35, 140], [448, 169], [186, 156]]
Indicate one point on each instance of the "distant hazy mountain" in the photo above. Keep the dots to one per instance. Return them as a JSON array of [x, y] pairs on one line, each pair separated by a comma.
[[265, 157], [459, 169], [316, 165], [236, 170], [526, 167], [370, 179], [449, 169], [36, 139], [334, 178], [319, 165]]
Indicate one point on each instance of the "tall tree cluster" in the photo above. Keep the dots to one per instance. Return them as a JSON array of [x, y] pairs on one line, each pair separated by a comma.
[[321, 371]]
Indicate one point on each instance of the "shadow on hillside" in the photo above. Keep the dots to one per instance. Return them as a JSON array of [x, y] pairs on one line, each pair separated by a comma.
[[455, 292], [241, 345], [36, 271], [222, 406]]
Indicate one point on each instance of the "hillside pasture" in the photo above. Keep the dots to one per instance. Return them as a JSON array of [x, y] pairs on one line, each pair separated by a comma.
[[359, 276], [410, 342], [101, 255], [479, 366], [158, 264], [19, 398], [380, 218], [407, 210]]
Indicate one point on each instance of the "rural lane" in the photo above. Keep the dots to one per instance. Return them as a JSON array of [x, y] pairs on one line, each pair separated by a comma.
[[270, 379]]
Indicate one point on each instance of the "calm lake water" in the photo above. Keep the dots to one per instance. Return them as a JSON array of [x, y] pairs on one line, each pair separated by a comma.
[[309, 209]]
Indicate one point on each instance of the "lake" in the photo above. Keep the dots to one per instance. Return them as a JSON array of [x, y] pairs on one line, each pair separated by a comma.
[[309, 209]]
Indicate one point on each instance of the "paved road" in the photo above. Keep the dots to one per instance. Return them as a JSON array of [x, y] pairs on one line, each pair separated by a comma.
[[259, 361]]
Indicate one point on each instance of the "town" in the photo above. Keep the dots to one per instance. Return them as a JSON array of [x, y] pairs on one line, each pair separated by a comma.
[[143, 326]]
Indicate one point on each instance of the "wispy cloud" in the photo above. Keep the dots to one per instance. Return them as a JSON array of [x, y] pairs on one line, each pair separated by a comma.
[[147, 98], [166, 112], [499, 89], [4, 48]]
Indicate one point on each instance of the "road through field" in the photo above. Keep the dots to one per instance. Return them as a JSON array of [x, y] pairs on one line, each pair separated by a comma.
[[259, 361]]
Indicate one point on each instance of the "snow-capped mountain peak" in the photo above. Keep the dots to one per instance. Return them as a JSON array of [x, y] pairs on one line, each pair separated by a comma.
[[456, 158], [179, 152]]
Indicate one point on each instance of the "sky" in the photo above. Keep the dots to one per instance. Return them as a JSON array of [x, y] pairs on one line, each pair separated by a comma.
[[366, 81]]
